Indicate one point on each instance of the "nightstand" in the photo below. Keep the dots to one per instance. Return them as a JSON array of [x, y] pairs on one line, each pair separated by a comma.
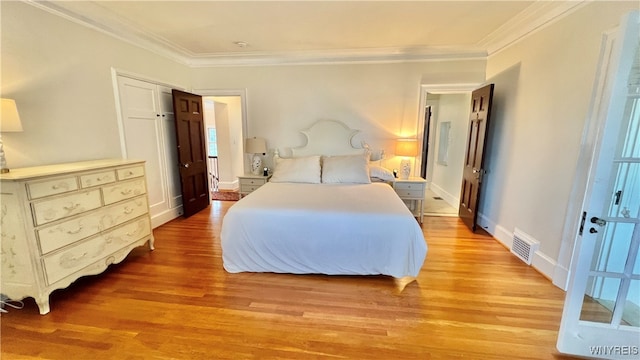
[[412, 191], [250, 182]]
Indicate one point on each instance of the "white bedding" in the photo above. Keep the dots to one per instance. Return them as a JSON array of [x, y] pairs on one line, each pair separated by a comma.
[[348, 229]]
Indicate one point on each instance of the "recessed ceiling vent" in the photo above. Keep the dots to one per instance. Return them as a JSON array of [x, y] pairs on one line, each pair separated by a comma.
[[524, 246]]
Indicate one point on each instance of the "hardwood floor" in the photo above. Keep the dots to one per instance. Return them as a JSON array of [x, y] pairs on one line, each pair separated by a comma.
[[472, 300]]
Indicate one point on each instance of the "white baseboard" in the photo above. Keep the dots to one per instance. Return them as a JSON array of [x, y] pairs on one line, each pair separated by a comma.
[[448, 198], [541, 261], [561, 277], [229, 185], [165, 216]]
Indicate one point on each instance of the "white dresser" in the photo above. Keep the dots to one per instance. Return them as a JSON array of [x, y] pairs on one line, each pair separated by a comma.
[[61, 222]]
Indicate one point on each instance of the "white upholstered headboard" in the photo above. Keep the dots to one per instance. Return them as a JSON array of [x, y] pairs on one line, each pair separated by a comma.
[[328, 137]]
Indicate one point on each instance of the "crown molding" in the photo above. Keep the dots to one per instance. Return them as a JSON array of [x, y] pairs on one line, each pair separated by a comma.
[[343, 56], [535, 17], [115, 27]]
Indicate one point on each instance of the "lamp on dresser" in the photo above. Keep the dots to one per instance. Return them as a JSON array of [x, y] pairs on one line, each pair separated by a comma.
[[255, 146], [407, 148], [9, 122]]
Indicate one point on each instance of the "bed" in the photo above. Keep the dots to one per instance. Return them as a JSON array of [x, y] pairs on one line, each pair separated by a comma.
[[316, 216]]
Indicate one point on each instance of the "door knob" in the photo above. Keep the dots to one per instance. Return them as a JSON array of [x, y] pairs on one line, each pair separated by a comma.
[[598, 221], [593, 231], [185, 165]]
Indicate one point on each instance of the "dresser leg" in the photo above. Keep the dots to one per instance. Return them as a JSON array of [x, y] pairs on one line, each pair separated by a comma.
[[43, 305], [152, 240]]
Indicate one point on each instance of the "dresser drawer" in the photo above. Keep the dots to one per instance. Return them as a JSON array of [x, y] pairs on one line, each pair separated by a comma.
[[408, 186], [41, 189], [418, 194], [62, 207], [253, 182], [248, 188], [122, 212], [130, 172], [96, 179], [65, 262], [123, 190], [62, 234]]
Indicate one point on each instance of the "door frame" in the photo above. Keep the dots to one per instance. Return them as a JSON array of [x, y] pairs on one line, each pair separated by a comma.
[[454, 88], [594, 125], [242, 93]]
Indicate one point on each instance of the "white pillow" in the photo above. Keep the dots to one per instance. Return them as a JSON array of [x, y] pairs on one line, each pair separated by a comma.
[[381, 173], [297, 170], [352, 169]]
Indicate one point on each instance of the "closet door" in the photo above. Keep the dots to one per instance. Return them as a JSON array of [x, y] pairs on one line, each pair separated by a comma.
[[170, 146], [148, 135]]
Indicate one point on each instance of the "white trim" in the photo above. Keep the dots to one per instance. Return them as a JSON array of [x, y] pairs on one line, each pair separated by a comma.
[[450, 199], [229, 185], [593, 126], [535, 17], [454, 88], [541, 262], [165, 217]]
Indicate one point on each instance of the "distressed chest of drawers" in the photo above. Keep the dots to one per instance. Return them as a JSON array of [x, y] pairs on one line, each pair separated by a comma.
[[61, 222]]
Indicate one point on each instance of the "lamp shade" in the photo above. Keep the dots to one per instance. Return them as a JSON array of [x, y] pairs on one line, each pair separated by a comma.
[[9, 118], [255, 146], [406, 147]]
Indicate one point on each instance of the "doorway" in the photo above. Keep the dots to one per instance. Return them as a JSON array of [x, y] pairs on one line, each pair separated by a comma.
[[442, 153], [225, 115]]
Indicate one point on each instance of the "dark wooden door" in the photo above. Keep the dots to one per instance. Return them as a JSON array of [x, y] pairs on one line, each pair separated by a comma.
[[474, 155], [425, 142], [192, 154]]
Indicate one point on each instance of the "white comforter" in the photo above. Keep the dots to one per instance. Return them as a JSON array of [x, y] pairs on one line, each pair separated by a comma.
[[349, 229]]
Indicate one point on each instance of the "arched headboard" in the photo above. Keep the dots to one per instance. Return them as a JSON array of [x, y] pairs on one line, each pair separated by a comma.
[[328, 137]]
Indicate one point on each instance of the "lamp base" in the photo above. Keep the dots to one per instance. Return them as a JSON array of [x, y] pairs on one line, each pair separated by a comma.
[[256, 164], [405, 169]]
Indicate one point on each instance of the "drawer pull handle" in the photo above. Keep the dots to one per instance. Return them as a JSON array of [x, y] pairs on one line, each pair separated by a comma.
[[128, 210], [71, 232], [126, 192], [71, 207], [60, 186]]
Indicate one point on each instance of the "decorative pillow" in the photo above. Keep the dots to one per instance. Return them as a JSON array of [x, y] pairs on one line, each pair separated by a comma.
[[352, 169], [381, 173], [297, 170]]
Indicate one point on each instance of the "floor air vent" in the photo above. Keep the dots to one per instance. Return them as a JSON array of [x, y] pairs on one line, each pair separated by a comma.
[[524, 246]]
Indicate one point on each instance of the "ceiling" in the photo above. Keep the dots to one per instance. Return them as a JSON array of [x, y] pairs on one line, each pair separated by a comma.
[[210, 33]]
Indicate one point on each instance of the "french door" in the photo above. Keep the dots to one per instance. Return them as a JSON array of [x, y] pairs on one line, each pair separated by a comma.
[[601, 315]]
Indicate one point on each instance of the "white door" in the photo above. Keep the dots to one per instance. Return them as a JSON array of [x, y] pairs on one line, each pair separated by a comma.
[[149, 134], [601, 315]]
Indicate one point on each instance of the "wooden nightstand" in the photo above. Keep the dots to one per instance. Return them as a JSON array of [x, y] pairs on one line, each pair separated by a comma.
[[250, 182], [412, 191]]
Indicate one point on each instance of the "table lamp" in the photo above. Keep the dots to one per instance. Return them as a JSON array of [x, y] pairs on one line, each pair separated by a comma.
[[255, 146], [406, 148], [9, 122]]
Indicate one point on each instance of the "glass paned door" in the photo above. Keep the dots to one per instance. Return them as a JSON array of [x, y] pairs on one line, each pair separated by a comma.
[[602, 310]]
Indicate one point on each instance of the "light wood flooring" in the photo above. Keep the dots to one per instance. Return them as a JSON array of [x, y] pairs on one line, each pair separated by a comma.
[[472, 300]]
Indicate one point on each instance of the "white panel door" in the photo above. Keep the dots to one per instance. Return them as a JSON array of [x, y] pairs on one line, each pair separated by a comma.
[[170, 146], [144, 139], [601, 315]]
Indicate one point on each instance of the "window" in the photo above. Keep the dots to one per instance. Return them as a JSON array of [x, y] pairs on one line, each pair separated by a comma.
[[212, 141]]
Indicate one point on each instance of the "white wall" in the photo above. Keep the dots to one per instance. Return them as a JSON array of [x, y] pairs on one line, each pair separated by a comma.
[[542, 95], [59, 73], [381, 100], [447, 179]]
